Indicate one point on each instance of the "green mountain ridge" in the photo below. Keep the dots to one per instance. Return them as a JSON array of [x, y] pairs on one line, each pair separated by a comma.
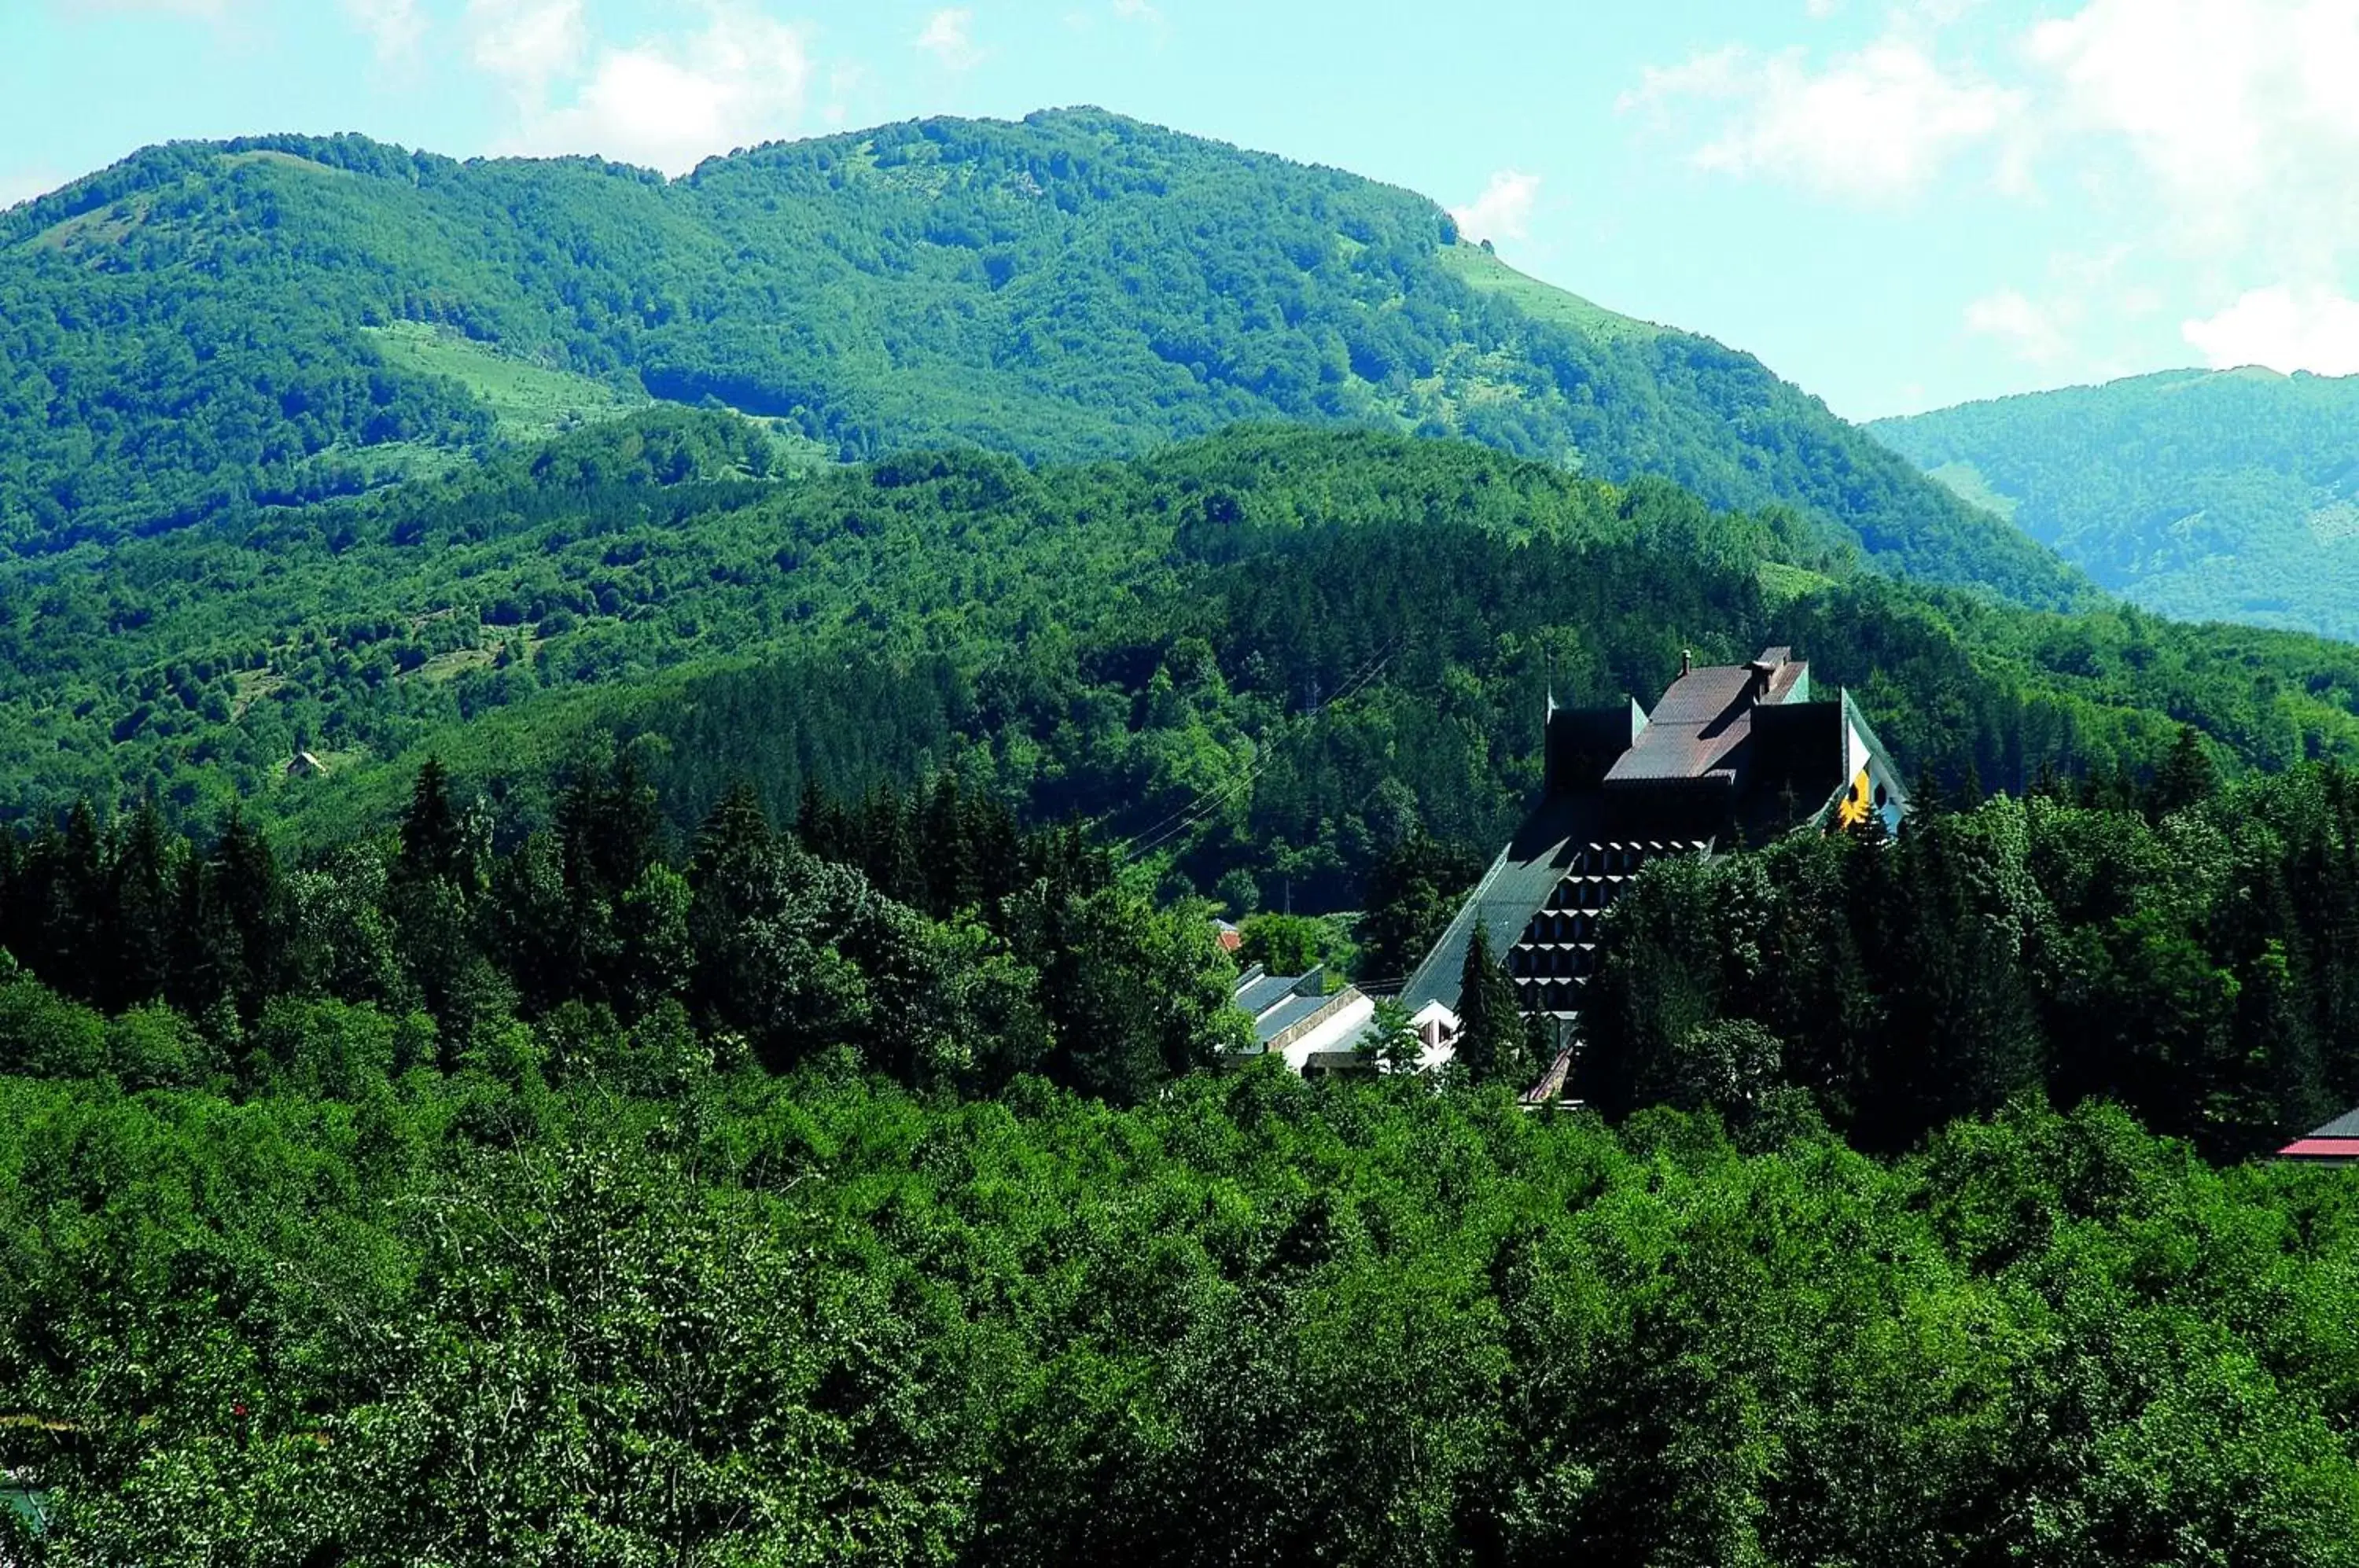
[[1291, 641], [200, 328], [2204, 494]]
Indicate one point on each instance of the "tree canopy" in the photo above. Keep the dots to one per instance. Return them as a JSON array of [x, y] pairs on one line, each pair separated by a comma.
[[212, 328], [2225, 496]]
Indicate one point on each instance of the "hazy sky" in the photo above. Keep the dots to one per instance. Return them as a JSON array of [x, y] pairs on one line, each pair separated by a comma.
[[1897, 205]]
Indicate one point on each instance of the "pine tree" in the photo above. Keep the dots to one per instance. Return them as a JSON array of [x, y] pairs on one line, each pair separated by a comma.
[[1491, 1036], [609, 828], [946, 856], [2187, 777], [143, 877], [433, 842], [239, 916], [72, 882]]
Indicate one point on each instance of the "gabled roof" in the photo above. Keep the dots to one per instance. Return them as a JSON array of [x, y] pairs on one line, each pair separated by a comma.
[[2337, 1140]]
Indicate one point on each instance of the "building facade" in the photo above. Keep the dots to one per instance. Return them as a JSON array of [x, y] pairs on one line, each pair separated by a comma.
[[1731, 756]]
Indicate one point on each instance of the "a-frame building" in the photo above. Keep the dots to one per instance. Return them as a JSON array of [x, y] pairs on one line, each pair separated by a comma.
[[1732, 755]]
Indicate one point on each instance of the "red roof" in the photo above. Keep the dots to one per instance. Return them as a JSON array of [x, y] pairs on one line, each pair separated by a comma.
[[2320, 1148]]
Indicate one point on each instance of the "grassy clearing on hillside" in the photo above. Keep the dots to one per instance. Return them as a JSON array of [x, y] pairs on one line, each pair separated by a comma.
[[1782, 584], [1968, 483], [529, 400], [1478, 268]]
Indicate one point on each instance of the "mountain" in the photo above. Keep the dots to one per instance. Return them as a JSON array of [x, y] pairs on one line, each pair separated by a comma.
[[2205, 495], [1268, 650], [206, 328]]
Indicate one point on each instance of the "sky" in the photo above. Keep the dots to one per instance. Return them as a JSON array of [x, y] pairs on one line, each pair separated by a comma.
[[1898, 205]]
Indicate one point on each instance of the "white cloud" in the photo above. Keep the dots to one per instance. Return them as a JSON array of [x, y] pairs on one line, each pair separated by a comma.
[[668, 103], [394, 26], [1504, 210], [1139, 14], [2035, 333], [949, 36], [2284, 329], [2241, 111], [845, 80], [2173, 76], [1875, 123], [527, 43]]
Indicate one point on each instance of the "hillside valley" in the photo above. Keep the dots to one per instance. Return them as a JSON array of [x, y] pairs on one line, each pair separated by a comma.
[[662, 841], [1330, 633], [2202, 495]]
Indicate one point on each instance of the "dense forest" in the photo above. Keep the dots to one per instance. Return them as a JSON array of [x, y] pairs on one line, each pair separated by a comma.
[[2178, 950], [206, 328], [616, 797], [1266, 652], [623, 1307], [2209, 496], [861, 1191]]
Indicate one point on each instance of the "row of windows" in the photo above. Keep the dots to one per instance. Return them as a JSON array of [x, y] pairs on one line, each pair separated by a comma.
[[1570, 894], [1619, 859], [1577, 926], [1554, 997], [1525, 961]]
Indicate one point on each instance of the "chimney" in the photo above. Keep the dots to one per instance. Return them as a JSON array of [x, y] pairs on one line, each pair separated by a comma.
[[1687, 662]]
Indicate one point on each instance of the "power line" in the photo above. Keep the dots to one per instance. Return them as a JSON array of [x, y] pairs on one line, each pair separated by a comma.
[[1193, 814]]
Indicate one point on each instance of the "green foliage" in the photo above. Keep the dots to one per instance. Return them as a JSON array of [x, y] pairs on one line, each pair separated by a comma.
[[2230, 495], [818, 1319], [1283, 653], [207, 330], [1392, 1043], [1005, 954], [1295, 944], [1491, 1039], [2185, 953]]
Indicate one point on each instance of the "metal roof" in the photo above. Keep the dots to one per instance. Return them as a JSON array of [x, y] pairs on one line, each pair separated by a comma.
[[1285, 1016], [2343, 1125], [1695, 730], [2336, 1143], [1257, 996]]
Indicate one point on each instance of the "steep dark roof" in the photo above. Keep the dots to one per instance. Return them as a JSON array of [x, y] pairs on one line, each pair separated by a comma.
[[1706, 715], [1731, 753], [1692, 732], [1518, 882]]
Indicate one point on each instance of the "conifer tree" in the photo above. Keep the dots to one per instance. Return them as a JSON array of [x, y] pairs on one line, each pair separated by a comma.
[[432, 838], [947, 857], [1491, 1036], [238, 916], [2187, 777], [143, 876]]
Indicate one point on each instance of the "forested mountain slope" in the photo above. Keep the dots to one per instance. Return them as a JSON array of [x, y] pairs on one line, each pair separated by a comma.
[[1274, 650], [210, 327], [2229, 496]]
